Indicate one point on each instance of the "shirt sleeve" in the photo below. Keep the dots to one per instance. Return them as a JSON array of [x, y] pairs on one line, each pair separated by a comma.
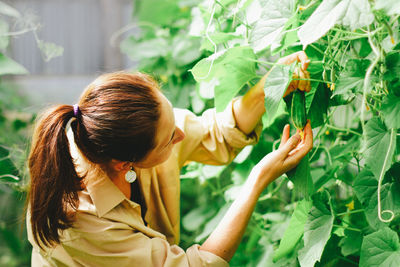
[[122, 246], [212, 138]]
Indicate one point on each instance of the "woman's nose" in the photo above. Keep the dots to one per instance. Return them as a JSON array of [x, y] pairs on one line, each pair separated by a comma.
[[179, 135]]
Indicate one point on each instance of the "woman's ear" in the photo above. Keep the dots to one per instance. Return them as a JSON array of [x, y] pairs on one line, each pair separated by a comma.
[[119, 166]]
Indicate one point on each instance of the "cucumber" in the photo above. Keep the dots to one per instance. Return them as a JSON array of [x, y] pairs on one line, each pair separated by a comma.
[[298, 109]]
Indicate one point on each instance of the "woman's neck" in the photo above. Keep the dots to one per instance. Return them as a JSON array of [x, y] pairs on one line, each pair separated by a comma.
[[118, 178]]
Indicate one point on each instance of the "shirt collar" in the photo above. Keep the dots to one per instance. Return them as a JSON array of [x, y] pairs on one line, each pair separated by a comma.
[[103, 192]]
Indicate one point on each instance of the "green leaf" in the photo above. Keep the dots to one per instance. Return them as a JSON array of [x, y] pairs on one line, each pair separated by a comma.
[[376, 146], [391, 111], [393, 65], [9, 10], [185, 50], [352, 13], [391, 7], [212, 223], [380, 249], [301, 178], [275, 86], [317, 102], [294, 231], [352, 78], [217, 38], [351, 243], [159, 12], [365, 186], [317, 230], [358, 14], [193, 220], [9, 66], [231, 69], [138, 50], [50, 50], [268, 30]]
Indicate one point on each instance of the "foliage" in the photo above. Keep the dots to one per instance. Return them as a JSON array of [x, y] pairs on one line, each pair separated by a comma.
[[14, 124], [353, 106]]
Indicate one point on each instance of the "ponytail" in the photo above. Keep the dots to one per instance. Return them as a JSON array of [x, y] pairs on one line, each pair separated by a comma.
[[54, 181], [117, 119]]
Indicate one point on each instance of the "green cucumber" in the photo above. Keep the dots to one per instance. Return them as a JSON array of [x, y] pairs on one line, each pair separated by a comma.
[[298, 109]]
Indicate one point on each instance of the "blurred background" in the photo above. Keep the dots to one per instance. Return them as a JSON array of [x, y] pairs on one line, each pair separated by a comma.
[[84, 30], [50, 50]]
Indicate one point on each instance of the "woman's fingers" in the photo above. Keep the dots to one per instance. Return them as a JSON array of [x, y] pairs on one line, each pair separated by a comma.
[[300, 75], [303, 147], [299, 56], [291, 144], [304, 82], [285, 135], [302, 57]]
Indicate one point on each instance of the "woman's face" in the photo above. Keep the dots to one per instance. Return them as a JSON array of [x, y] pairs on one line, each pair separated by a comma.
[[167, 135]]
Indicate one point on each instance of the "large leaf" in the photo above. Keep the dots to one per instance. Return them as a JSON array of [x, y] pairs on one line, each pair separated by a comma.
[[301, 177], [269, 28], [294, 231], [231, 69], [9, 66], [365, 186], [317, 230], [275, 86], [351, 242], [185, 50], [351, 79], [152, 48], [391, 7], [217, 38], [378, 146], [380, 249], [352, 13], [391, 111]]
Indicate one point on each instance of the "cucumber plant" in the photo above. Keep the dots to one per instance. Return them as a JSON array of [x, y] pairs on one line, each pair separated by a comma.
[[342, 200]]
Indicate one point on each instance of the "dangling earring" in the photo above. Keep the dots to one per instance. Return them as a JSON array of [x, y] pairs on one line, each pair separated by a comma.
[[130, 176]]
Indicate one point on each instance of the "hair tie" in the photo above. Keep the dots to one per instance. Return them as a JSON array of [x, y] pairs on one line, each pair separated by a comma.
[[76, 110]]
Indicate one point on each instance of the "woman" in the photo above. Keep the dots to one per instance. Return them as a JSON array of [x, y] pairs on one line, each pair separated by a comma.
[[105, 173]]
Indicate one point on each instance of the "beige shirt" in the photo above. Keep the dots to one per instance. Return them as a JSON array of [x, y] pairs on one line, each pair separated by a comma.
[[109, 230]]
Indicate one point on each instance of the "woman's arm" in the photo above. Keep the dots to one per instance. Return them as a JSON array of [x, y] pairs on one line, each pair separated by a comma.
[[225, 239], [253, 101]]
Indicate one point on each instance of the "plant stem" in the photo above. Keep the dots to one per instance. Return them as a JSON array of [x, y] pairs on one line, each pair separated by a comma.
[[342, 130], [315, 150], [347, 228], [368, 79], [348, 260], [311, 80], [328, 154], [349, 212], [316, 48]]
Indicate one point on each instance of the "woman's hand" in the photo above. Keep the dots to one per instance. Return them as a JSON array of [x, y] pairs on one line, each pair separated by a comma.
[[286, 157], [299, 73], [226, 237]]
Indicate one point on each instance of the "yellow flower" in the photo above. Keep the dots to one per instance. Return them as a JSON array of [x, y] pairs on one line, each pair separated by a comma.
[[350, 206]]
